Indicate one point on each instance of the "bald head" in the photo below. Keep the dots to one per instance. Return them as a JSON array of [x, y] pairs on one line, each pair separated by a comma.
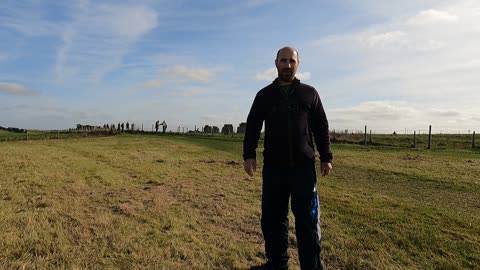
[[287, 64], [288, 49]]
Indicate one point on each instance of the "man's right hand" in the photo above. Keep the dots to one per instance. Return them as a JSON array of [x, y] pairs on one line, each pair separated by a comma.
[[250, 166]]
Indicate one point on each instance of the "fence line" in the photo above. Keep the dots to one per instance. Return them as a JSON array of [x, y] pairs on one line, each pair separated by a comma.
[[430, 139], [442, 140]]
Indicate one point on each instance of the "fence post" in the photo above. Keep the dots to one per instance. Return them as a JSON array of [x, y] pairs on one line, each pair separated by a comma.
[[414, 139], [473, 140], [429, 137], [365, 139], [370, 136]]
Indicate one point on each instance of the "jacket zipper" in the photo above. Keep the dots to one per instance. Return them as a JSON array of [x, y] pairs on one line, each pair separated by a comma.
[[290, 136], [290, 146]]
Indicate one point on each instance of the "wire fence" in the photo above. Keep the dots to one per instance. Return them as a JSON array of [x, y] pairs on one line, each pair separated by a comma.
[[417, 138], [414, 138]]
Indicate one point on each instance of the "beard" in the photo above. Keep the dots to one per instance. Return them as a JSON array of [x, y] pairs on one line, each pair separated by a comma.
[[286, 75]]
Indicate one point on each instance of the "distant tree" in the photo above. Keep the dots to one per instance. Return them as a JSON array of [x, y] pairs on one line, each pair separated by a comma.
[[128, 126], [118, 127], [133, 126], [15, 130], [123, 126]]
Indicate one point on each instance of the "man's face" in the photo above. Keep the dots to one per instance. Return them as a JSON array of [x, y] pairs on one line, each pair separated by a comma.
[[287, 64]]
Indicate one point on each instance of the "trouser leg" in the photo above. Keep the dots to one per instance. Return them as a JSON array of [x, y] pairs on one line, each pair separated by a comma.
[[275, 198], [305, 207]]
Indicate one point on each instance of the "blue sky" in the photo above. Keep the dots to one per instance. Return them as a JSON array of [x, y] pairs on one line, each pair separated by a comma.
[[391, 66]]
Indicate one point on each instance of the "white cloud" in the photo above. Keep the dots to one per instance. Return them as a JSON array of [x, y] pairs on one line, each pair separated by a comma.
[[46, 114], [387, 39], [214, 118], [406, 61], [267, 75], [186, 93], [433, 16], [126, 21], [181, 74], [194, 74], [28, 21], [381, 40], [431, 45], [387, 116], [423, 66], [151, 84], [304, 75], [376, 111], [16, 89], [271, 73], [98, 38]]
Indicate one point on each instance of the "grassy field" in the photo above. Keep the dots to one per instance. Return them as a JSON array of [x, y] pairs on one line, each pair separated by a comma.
[[173, 202], [6, 136], [10, 136]]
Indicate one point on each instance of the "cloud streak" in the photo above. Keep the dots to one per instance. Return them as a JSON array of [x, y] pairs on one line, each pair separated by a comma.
[[98, 38], [194, 74], [271, 73], [181, 74], [27, 20], [433, 16], [16, 90], [378, 115]]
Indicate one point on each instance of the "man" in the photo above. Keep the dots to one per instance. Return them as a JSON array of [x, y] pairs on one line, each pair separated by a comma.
[[292, 112]]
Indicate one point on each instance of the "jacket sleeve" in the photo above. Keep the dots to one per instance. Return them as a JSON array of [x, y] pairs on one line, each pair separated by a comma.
[[254, 126], [320, 131]]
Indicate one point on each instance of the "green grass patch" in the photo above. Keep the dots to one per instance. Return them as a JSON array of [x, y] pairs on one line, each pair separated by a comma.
[[184, 202]]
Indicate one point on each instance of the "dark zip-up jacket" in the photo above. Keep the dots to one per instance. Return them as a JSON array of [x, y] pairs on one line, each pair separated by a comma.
[[289, 125]]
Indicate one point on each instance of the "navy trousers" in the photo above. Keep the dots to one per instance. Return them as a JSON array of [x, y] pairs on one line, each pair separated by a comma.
[[299, 184]]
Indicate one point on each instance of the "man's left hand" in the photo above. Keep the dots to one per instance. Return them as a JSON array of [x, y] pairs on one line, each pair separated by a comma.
[[325, 167]]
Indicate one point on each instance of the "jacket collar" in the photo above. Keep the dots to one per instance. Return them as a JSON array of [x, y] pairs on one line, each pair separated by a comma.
[[295, 82]]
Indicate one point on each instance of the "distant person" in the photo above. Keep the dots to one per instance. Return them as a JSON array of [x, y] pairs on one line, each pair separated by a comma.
[[157, 125], [164, 126], [292, 112]]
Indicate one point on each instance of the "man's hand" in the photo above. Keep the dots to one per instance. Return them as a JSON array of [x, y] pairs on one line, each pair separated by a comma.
[[250, 166], [326, 167]]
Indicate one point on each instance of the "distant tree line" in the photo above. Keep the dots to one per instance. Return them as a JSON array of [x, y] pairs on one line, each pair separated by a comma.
[[13, 129]]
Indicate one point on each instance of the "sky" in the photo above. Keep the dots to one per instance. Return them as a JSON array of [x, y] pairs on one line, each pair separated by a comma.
[[391, 65]]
